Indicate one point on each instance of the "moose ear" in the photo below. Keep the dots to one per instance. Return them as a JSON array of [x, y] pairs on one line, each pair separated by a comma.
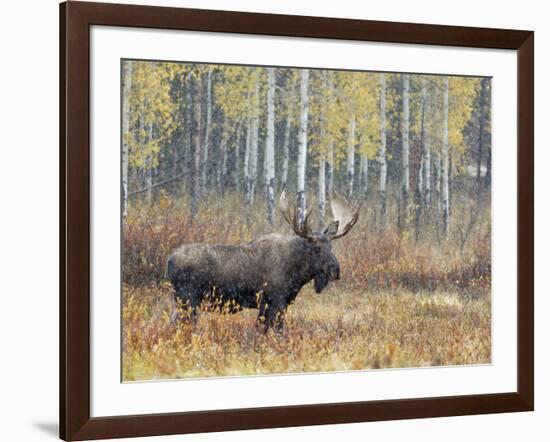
[[332, 229]]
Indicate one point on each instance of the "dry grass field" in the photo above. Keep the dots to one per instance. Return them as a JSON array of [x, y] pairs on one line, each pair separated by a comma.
[[333, 331], [401, 302]]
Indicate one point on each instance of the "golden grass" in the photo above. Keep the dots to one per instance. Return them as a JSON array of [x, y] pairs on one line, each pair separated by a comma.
[[333, 331], [369, 256], [405, 299]]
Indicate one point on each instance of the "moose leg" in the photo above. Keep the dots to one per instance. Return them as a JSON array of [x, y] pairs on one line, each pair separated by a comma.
[[279, 320], [185, 303], [260, 321], [271, 315]]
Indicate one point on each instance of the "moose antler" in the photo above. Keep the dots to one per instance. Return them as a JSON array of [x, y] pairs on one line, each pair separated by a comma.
[[302, 228], [345, 214]]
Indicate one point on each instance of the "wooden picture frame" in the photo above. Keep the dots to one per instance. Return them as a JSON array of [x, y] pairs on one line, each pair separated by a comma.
[[75, 21]]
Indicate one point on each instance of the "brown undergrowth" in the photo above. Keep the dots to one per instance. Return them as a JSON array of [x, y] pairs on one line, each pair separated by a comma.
[[333, 331], [407, 298], [370, 256]]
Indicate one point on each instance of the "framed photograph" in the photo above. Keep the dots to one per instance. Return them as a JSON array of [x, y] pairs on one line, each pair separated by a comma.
[[272, 220]]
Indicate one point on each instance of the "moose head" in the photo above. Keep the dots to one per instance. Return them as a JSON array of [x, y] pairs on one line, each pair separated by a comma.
[[317, 247]]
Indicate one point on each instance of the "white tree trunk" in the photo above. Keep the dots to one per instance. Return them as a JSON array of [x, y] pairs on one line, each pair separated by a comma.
[[207, 130], [420, 175], [364, 174], [328, 83], [404, 203], [437, 195], [187, 124], [149, 165], [321, 195], [196, 131], [382, 152], [302, 142], [284, 170], [445, 159], [321, 178], [420, 178], [125, 133], [405, 136], [330, 171], [351, 157], [270, 147], [427, 151], [237, 155], [254, 138], [246, 162], [221, 179]]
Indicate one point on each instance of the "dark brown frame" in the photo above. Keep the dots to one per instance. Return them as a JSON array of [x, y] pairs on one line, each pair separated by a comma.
[[75, 21]]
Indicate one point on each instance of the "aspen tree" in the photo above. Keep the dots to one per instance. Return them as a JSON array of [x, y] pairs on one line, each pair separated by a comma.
[[270, 146], [302, 141], [127, 87], [383, 174]]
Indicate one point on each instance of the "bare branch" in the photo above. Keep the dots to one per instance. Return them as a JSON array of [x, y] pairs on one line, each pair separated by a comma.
[[159, 184]]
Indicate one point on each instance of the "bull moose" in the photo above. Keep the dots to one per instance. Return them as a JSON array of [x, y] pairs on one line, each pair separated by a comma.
[[266, 273]]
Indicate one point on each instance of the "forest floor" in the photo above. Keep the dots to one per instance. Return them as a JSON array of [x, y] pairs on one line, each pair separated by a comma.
[[336, 330]]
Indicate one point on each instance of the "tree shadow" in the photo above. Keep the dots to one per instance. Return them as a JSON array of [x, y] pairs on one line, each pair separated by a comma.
[[50, 428]]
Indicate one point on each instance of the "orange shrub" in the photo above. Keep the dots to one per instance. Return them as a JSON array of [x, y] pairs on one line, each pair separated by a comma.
[[370, 256]]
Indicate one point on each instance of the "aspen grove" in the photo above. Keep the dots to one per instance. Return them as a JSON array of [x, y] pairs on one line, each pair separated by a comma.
[[193, 129]]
